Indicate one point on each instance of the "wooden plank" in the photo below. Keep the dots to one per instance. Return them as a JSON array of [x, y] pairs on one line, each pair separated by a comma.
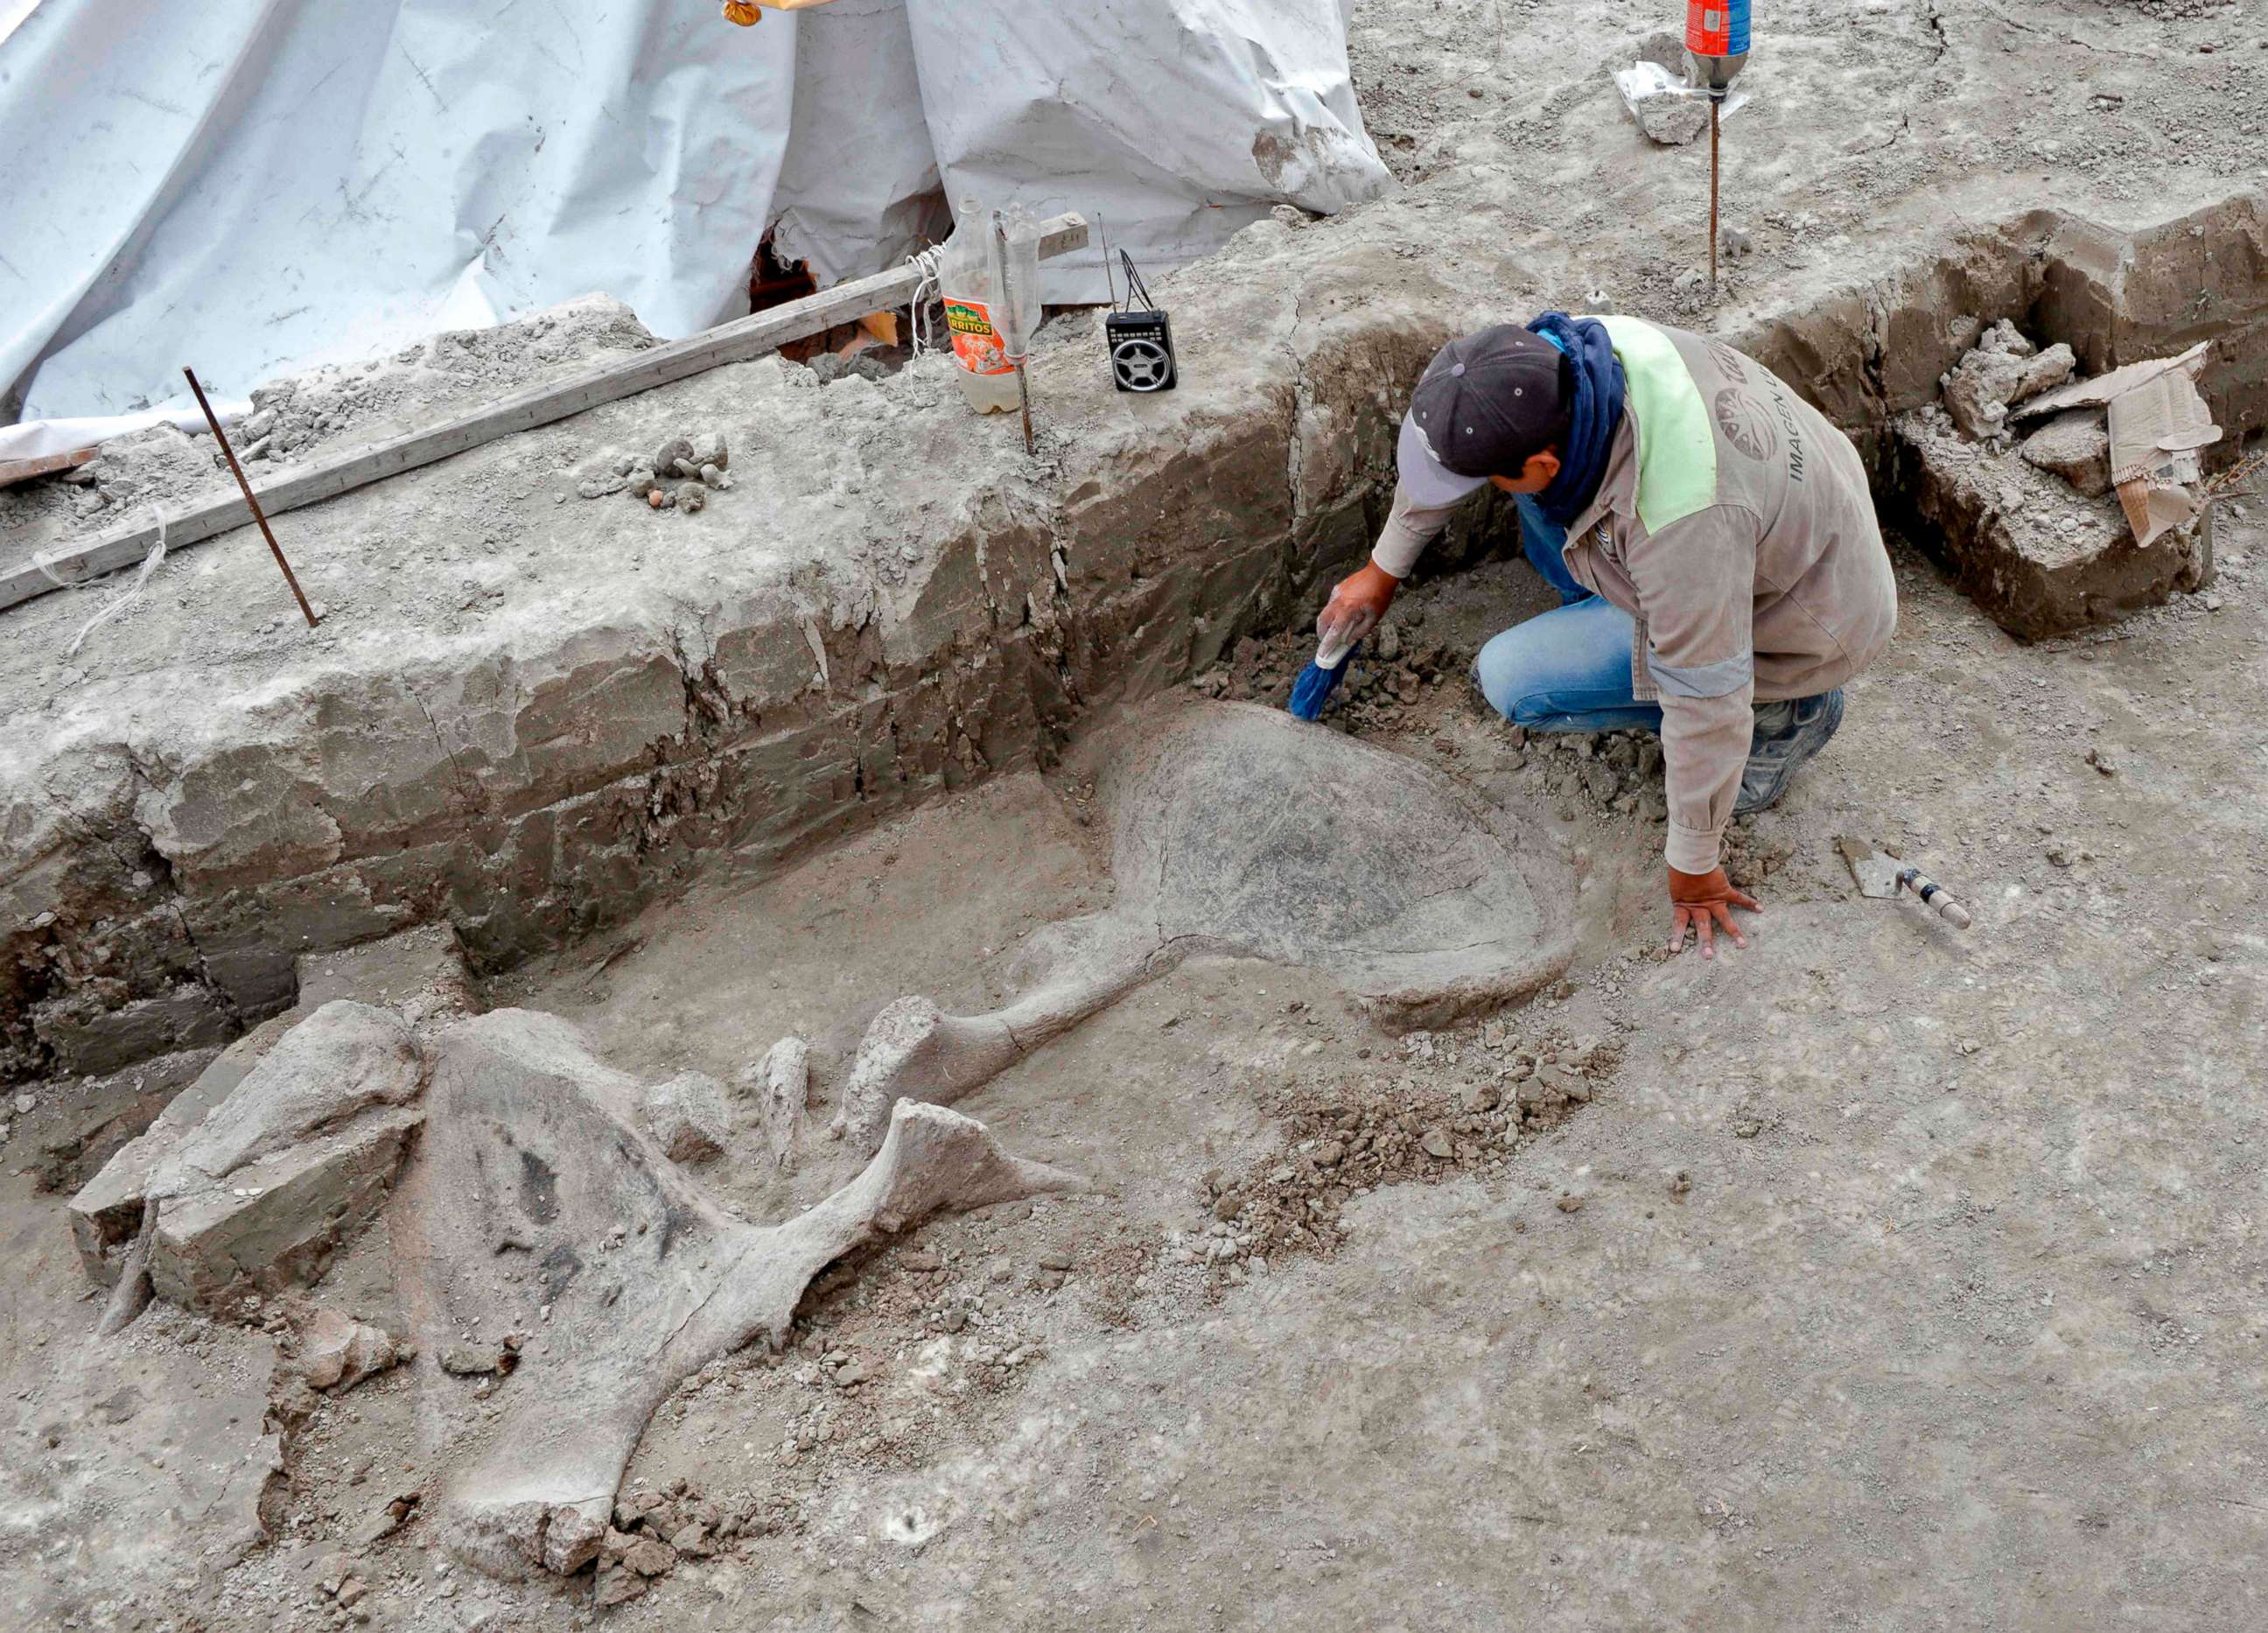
[[737, 341], [15, 470]]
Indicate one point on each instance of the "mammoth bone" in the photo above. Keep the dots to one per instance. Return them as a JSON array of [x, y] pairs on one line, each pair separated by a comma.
[[1240, 831]]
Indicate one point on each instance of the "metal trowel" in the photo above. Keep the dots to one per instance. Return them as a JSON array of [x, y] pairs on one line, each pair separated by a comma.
[[1881, 874]]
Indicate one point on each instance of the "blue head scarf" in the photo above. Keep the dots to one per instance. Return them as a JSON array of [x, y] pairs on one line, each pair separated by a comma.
[[1598, 408]]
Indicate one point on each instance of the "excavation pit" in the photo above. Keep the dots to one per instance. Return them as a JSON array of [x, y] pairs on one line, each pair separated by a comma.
[[662, 795], [548, 711]]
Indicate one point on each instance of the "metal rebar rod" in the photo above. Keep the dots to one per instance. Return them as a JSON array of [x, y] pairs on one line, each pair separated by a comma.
[[258, 514], [1714, 103]]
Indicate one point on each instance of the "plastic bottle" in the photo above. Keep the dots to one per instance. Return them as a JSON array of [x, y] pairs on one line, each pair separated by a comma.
[[988, 331]]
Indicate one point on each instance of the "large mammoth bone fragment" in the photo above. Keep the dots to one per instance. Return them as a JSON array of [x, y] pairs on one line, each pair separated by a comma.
[[537, 1201], [1242, 831]]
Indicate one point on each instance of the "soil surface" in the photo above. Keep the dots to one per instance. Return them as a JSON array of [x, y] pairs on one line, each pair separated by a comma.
[[1879, 1275], [158, 472]]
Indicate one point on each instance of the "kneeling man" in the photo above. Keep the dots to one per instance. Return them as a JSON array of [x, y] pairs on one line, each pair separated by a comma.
[[1720, 569]]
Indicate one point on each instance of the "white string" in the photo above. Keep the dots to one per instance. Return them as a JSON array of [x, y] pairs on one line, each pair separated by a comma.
[[45, 561], [118, 603], [926, 261]]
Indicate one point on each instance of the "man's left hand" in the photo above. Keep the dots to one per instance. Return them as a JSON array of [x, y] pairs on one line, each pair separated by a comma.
[[1706, 901]]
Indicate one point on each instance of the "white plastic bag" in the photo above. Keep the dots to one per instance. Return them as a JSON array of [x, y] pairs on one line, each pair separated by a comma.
[[1666, 108]]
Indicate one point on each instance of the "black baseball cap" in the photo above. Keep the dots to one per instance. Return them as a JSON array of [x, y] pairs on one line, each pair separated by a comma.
[[1484, 403]]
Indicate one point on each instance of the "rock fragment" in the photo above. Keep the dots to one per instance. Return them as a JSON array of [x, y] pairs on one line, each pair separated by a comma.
[[2075, 445], [686, 1117], [472, 1360], [2005, 368], [337, 1352], [650, 1557], [693, 1541], [292, 1158]]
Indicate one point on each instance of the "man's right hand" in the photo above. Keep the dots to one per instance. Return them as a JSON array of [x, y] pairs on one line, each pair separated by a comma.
[[1358, 602], [1705, 902]]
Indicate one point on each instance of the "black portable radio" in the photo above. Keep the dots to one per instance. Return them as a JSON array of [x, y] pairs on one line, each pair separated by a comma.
[[1137, 336]]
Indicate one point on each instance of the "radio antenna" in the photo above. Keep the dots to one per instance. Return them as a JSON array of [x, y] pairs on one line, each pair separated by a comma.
[[1136, 289]]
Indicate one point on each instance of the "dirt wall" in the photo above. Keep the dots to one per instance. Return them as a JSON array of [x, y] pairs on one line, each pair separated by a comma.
[[893, 602]]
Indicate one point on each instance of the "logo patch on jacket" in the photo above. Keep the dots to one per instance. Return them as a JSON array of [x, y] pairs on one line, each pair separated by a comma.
[[1746, 424]]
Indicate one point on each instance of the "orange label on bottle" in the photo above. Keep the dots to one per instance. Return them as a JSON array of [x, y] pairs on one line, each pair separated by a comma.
[[976, 343]]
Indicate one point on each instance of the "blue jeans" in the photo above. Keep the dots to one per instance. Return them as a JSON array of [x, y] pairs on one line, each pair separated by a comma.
[[1568, 669]]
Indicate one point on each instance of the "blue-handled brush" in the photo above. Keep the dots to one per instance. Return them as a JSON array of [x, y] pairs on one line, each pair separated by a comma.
[[1320, 679]]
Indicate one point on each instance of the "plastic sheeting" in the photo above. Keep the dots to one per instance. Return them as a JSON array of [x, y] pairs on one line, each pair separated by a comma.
[[254, 186], [859, 191], [1174, 122]]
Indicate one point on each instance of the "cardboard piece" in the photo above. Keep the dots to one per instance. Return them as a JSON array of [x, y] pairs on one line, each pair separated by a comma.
[[2157, 430], [2158, 426], [2097, 392]]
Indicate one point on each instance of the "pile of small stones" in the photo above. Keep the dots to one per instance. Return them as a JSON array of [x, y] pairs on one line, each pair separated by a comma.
[[652, 1531], [678, 474]]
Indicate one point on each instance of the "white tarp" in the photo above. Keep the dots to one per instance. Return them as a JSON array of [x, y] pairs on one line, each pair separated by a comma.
[[859, 191], [254, 187], [1175, 122]]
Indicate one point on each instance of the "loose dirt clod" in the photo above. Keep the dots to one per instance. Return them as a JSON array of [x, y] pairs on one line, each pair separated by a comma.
[[2003, 369], [686, 1117], [337, 1352], [2075, 445]]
